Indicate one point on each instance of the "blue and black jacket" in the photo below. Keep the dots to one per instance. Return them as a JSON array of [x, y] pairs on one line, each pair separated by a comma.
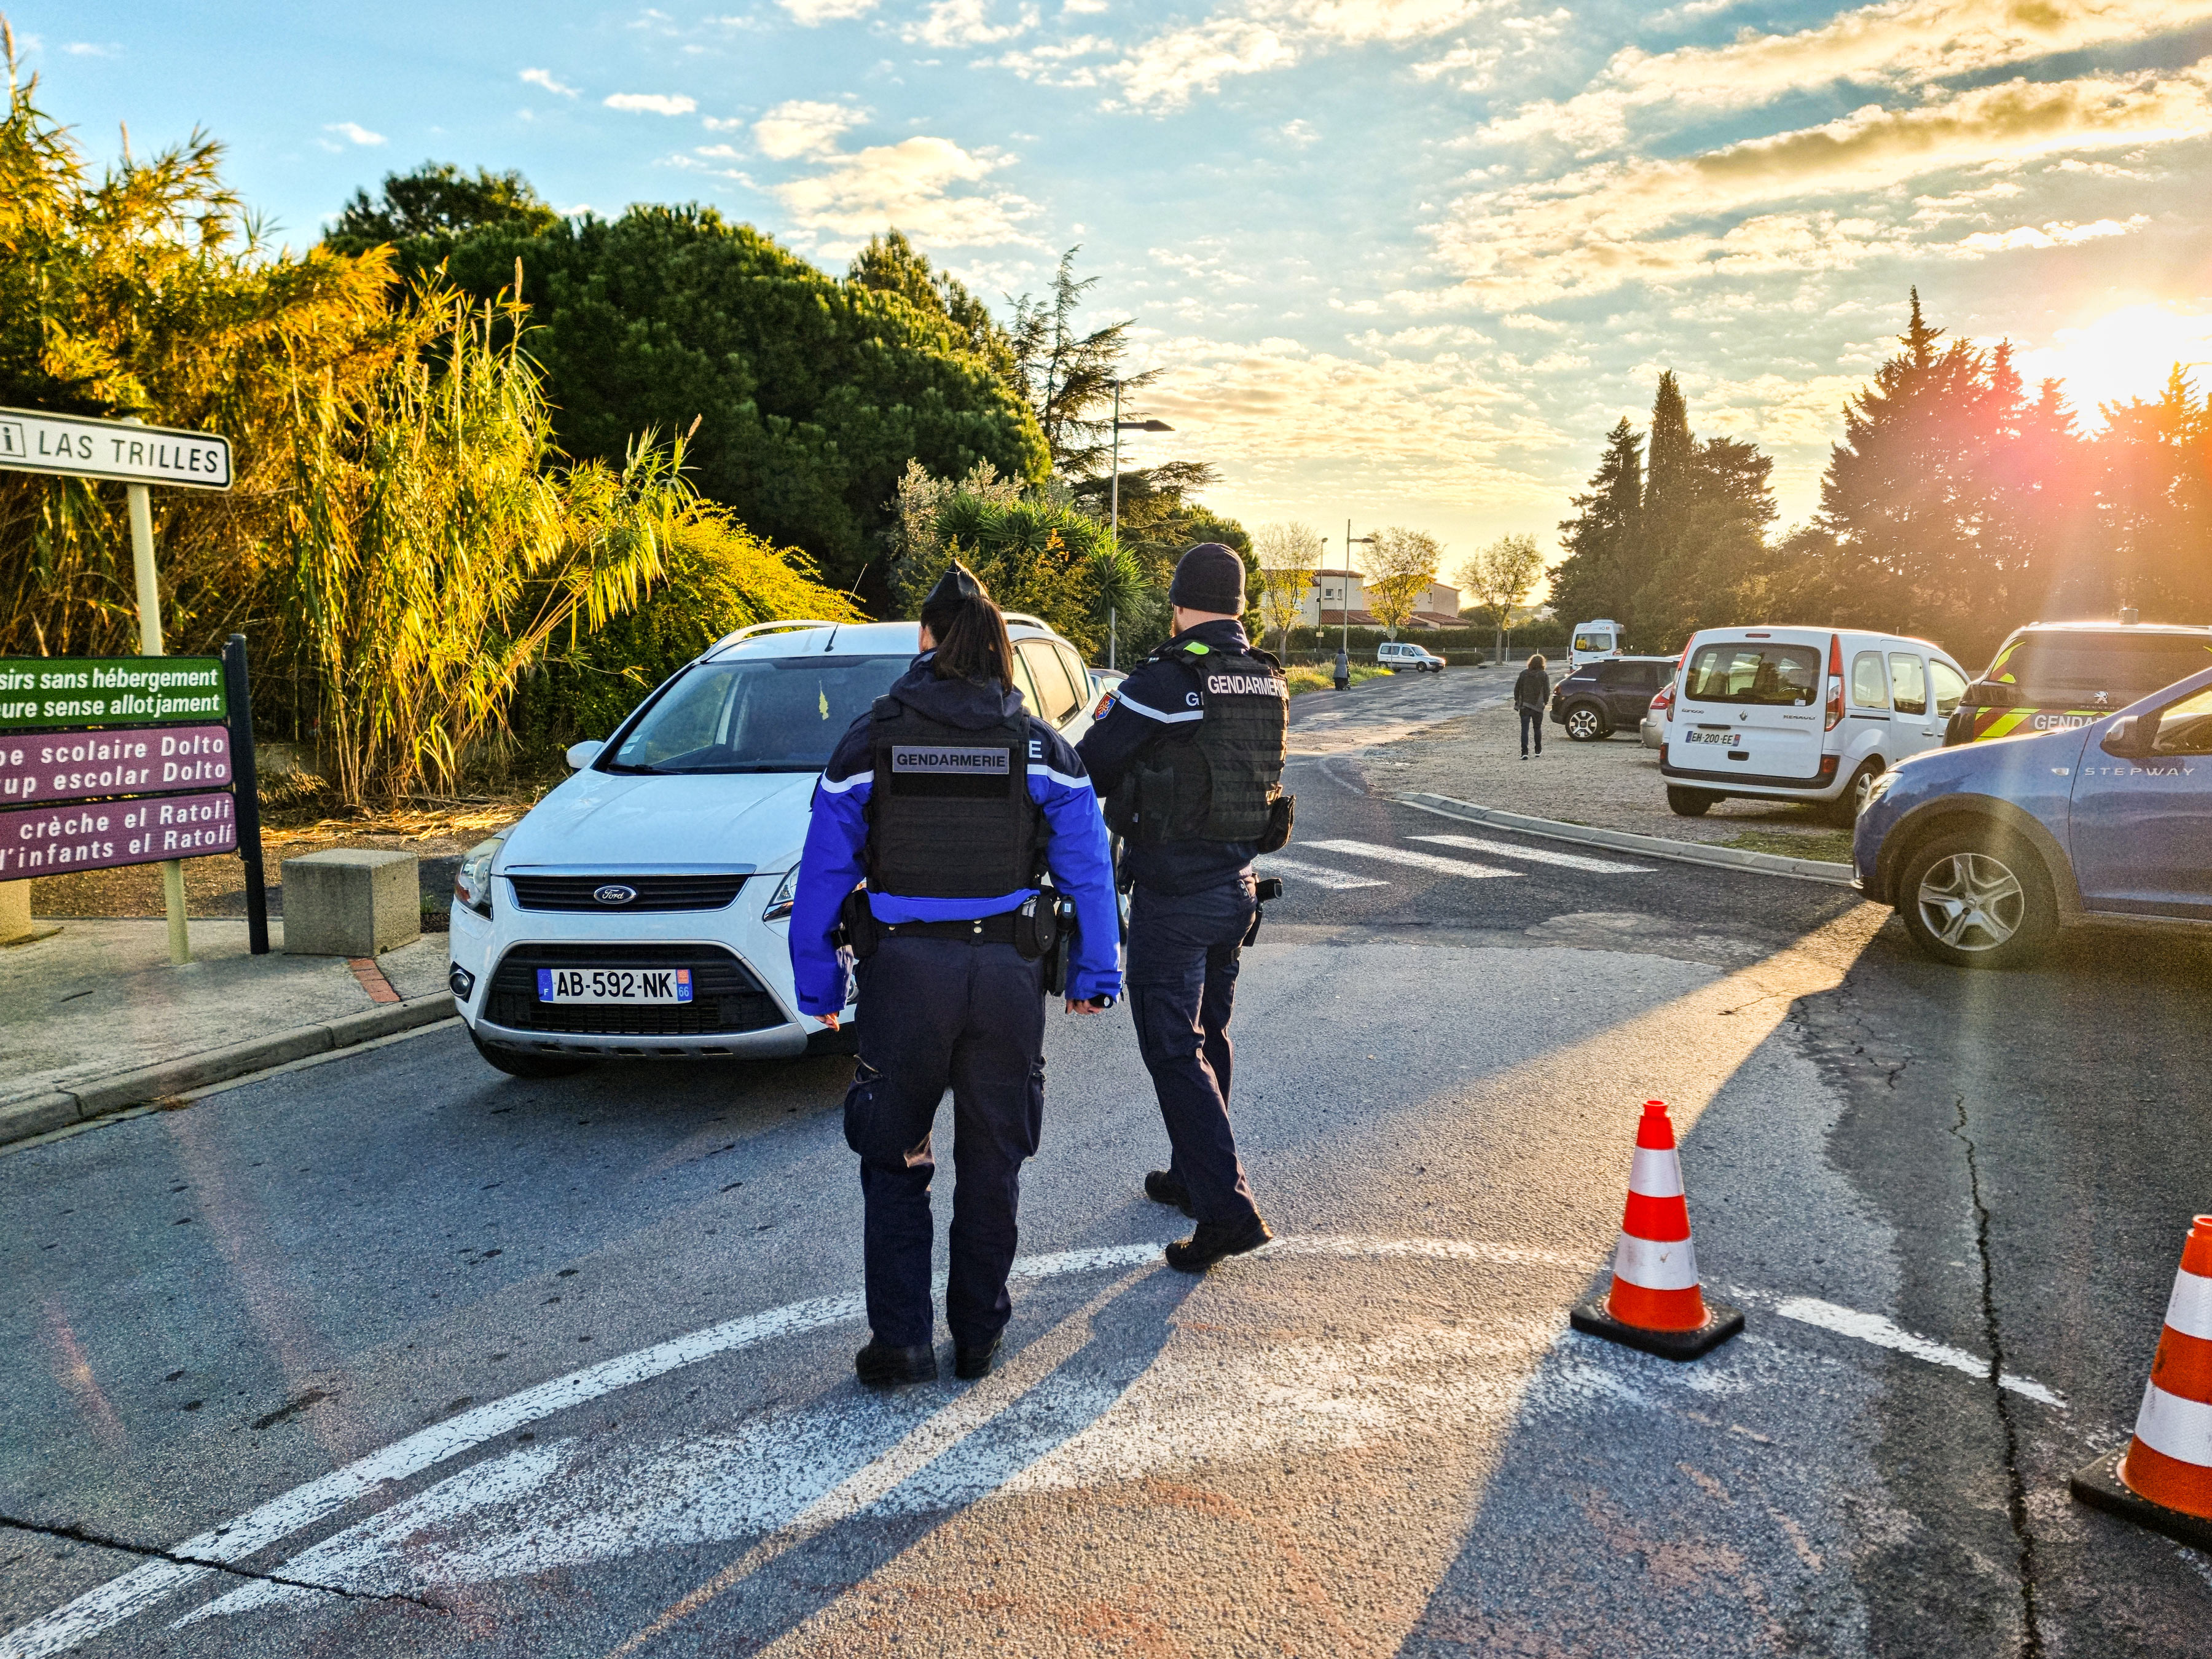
[[1078, 851]]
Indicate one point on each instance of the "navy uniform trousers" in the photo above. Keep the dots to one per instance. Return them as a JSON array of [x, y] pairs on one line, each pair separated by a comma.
[[1182, 980], [936, 1013]]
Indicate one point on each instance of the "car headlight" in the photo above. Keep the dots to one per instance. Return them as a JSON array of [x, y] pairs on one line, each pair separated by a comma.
[[1880, 786], [473, 881], [778, 908]]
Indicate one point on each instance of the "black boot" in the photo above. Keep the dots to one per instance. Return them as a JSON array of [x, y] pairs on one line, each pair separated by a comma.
[[880, 1366], [968, 1364], [1162, 1187], [1215, 1239]]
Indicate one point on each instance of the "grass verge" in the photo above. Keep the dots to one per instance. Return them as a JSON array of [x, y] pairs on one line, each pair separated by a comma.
[[1834, 846], [1315, 678]]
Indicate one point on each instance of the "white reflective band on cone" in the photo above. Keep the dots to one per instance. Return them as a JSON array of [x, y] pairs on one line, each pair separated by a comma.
[[2182, 1429], [1656, 1173], [2190, 1310], [1669, 1267]]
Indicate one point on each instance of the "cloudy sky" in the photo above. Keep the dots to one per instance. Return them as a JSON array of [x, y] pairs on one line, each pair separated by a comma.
[[1403, 260]]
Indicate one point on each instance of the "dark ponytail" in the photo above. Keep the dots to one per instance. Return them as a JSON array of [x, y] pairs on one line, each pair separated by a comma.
[[971, 637]]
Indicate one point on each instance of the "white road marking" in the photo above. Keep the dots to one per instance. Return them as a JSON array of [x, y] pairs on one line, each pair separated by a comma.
[[1538, 855], [1320, 875], [1365, 849], [1873, 1327], [1063, 1430]]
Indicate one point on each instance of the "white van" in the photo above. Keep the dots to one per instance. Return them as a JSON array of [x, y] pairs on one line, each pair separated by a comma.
[[1403, 656], [1801, 714], [1594, 641]]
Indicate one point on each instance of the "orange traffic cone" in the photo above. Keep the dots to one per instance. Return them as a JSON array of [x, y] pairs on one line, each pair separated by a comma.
[[1655, 1304], [2163, 1478]]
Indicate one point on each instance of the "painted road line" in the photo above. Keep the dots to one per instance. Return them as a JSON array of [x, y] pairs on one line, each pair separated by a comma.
[[110, 1604], [1539, 855], [1320, 875], [1363, 850], [1873, 1328]]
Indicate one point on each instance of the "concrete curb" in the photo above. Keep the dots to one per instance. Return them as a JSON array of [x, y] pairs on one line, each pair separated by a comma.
[[1653, 847], [40, 1114]]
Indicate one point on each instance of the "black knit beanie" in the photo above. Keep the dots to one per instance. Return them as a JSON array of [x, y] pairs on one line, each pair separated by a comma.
[[1210, 577]]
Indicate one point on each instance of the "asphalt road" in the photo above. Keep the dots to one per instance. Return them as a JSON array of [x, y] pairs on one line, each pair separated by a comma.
[[426, 1360]]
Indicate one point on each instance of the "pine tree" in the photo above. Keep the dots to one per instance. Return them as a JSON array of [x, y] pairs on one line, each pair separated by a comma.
[[1602, 539]]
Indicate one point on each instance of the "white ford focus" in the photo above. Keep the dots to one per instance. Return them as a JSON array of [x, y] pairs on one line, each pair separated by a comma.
[[640, 908]]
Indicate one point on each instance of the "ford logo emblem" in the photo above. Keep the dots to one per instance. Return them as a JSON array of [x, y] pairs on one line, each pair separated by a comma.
[[615, 893]]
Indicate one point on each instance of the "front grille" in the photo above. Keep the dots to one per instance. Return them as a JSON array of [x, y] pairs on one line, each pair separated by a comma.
[[726, 997], [705, 892]]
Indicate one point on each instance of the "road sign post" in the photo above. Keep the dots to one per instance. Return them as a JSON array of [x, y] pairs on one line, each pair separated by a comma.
[[137, 455]]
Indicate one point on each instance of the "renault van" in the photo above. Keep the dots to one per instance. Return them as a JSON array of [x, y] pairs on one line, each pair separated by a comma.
[[1801, 713]]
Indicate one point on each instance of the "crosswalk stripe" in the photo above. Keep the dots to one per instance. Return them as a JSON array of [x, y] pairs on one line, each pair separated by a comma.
[[1320, 875], [1538, 855], [1405, 855]]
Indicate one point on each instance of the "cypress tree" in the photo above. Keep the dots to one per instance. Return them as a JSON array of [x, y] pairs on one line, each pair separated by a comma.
[[1603, 536]]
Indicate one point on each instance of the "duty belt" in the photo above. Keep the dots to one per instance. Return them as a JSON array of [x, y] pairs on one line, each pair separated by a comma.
[[982, 930]]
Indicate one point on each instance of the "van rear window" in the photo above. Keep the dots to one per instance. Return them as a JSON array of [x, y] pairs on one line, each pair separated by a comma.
[[2054, 670], [1741, 671]]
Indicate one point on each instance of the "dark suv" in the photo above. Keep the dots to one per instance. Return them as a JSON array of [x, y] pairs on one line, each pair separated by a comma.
[[1599, 698], [2049, 677]]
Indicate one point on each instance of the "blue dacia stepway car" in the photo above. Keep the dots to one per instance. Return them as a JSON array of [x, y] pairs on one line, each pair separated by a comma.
[[1987, 849]]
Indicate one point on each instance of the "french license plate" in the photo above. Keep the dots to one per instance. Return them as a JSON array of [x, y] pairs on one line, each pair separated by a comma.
[[614, 985], [1725, 738]]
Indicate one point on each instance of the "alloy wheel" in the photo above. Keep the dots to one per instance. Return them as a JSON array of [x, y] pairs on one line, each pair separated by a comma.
[[1972, 901], [1582, 724]]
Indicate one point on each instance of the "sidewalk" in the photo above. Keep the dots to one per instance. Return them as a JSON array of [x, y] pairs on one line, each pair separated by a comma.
[[94, 1018]]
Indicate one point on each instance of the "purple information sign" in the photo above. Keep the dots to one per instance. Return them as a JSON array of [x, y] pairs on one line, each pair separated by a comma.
[[55, 839], [57, 766]]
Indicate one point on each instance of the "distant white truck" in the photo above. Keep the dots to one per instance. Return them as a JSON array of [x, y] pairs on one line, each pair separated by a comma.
[[1594, 641]]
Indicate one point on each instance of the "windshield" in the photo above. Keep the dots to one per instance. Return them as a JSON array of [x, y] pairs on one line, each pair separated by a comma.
[[756, 714], [1752, 673], [2066, 668], [1593, 641]]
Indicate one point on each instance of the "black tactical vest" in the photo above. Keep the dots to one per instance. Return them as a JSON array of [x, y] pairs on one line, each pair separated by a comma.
[[1229, 770], [950, 814]]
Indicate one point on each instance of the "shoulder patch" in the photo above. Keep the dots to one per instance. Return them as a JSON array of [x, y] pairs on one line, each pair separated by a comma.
[[1105, 706], [1194, 647]]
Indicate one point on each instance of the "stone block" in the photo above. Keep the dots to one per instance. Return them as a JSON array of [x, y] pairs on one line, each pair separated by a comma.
[[350, 903]]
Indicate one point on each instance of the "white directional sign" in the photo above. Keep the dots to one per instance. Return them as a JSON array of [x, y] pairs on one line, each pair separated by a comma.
[[34, 442]]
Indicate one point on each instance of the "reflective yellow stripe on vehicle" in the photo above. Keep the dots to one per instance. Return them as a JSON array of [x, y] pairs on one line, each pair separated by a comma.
[[1999, 722]]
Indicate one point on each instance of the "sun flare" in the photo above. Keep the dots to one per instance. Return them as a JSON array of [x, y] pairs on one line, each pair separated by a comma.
[[2125, 354]]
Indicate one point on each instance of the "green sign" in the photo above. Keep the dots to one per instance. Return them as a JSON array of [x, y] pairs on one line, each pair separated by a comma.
[[57, 692]]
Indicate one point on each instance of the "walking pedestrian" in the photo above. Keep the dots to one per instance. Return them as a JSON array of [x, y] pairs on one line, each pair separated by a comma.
[[1188, 753], [948, 799], [1531, 691]]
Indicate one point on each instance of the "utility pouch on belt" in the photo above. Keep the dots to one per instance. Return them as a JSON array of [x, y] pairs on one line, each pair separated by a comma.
[[1037, 926], [1277, 835], [856, 925], [1063, 941], [1266, 888]]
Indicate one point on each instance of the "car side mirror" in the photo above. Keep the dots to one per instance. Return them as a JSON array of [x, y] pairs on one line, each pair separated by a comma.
[[582, 755], [2131, 737]]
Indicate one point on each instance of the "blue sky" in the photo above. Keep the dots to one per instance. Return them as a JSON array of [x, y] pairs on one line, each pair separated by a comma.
[[1403, 260]]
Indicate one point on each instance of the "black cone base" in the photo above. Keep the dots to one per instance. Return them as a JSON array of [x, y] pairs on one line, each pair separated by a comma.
[[1722, 1322], [2097, 1485]]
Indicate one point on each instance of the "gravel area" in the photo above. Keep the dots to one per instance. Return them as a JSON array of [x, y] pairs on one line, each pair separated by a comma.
[[1614, 783]]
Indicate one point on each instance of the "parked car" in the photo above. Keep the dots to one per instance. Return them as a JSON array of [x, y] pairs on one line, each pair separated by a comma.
[[1401, 656], [1653, 731], [2048, 675], [1593, 641], [1801, 713], [1987, 849], [1597, 700], [643, 907]]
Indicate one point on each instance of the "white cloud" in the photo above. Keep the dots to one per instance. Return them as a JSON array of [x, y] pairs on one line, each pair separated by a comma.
[[801, 127], [966, 23], [1300, 132], [1082, 7], [652, 103], [1593, 230], [2056, 234], [91, 49], [1529, 320], [915, 185], [812, 14], [538, 77], [1900, 43], [354, 132]]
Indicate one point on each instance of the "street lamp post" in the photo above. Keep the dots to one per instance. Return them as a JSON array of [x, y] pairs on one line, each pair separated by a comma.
[[1114, 493], [1344, 646]]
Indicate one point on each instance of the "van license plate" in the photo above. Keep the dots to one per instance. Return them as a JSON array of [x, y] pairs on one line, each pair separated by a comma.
[[1724, 738], [614, 985]]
